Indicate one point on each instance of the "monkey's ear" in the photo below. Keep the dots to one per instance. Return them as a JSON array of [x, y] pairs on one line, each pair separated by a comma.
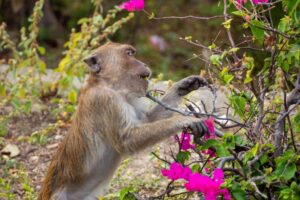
[[94, 62]]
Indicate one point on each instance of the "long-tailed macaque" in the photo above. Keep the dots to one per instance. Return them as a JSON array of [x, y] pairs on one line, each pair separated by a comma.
[[110, 124]]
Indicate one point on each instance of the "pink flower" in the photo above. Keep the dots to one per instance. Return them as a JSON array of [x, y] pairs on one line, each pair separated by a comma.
[[207, 170], [177, 171], [218, 174], [210, 187], [241, 2], [209, 152], [211, 128], [185, 141], [133, 5]]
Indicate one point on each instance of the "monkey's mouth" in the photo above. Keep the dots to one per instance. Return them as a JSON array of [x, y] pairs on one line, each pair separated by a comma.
[[144, 77]]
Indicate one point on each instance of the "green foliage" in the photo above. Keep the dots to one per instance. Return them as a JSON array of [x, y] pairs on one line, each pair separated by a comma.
[[219, 146], [183, 156], [125, 194]]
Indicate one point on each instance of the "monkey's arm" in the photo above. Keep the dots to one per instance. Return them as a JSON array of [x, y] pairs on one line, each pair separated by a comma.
[[145, 135], [174, 96]]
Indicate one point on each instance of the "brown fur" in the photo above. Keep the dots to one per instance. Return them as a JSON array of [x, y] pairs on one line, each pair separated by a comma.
[[109, 125]]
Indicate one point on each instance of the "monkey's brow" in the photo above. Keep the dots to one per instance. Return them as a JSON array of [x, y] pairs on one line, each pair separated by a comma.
[[127, 47]]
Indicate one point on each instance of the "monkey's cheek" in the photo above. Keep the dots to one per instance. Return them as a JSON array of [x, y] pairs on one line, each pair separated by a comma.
[[145, 85]]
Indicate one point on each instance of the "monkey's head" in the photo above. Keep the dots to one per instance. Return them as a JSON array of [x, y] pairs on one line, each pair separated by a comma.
[[116, 65]]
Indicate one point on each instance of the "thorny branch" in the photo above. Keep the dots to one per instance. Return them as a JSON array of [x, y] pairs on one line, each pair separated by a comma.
[[232, 43], [183, 17]]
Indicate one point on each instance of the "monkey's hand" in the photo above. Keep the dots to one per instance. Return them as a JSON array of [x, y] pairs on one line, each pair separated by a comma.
[[198, 129], [188, 84]]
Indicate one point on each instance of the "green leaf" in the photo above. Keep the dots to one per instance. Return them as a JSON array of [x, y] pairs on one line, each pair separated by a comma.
[[235, 49], [229, 140], [297, 118], [291, 5], [216, 59], [182, 156], [227, 23], [289, 171], [257, 32], [27, 107], [237, 192], [221, 151], [83, 20], [2, 90], [72, 96], [239, 13], [248, 78], [255, 149], [264, 159], [285, 165], [227, 78], [239, 104], [125, 194], [212, 46], [151, 16], [195, 167], [3, 129], [16, 103], [41, 50], [42, 66], [284, 24], [240, 140]]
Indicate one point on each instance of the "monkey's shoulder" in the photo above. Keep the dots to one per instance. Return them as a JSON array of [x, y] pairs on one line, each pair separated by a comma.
[[99, 97]]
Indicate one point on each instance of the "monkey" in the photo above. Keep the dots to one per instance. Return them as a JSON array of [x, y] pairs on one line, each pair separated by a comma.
[[111, 123]]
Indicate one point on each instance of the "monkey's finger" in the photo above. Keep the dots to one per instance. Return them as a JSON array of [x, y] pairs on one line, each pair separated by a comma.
[[204, 128], [197, 129]]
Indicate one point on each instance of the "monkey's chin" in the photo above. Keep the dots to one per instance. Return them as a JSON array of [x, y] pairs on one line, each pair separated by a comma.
[[140, 94]]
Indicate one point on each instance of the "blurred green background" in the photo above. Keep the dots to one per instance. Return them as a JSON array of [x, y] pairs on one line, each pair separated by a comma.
[[157, 41]]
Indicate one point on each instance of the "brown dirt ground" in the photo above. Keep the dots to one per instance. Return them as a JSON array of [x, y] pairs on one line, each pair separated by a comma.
[[141, 172]]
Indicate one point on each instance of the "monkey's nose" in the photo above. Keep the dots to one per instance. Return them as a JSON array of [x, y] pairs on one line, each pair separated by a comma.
[[145, 74]]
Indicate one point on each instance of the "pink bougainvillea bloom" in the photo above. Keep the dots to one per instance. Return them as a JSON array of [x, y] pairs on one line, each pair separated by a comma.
[[177, 171], [207, 170], [226, 194], [248, 19], [209, 152], [259, 1], [210, 187], [218, 174], [241, 2], [185, 141], [211, 128], [133, 5]]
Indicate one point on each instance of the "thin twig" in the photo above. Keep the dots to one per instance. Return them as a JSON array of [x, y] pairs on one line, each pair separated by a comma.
[[232, 43], [166, 106], [272, 30], [223, 160], [159, 158], [183, 17], [283, 115]]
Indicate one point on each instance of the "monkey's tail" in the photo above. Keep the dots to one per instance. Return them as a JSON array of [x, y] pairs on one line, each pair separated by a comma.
[[50, 183]]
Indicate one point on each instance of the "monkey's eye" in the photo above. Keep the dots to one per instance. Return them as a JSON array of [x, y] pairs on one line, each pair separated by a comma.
[[130, 52]]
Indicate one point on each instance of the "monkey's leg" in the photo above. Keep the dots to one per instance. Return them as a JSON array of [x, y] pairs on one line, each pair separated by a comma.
[[174, 96]]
